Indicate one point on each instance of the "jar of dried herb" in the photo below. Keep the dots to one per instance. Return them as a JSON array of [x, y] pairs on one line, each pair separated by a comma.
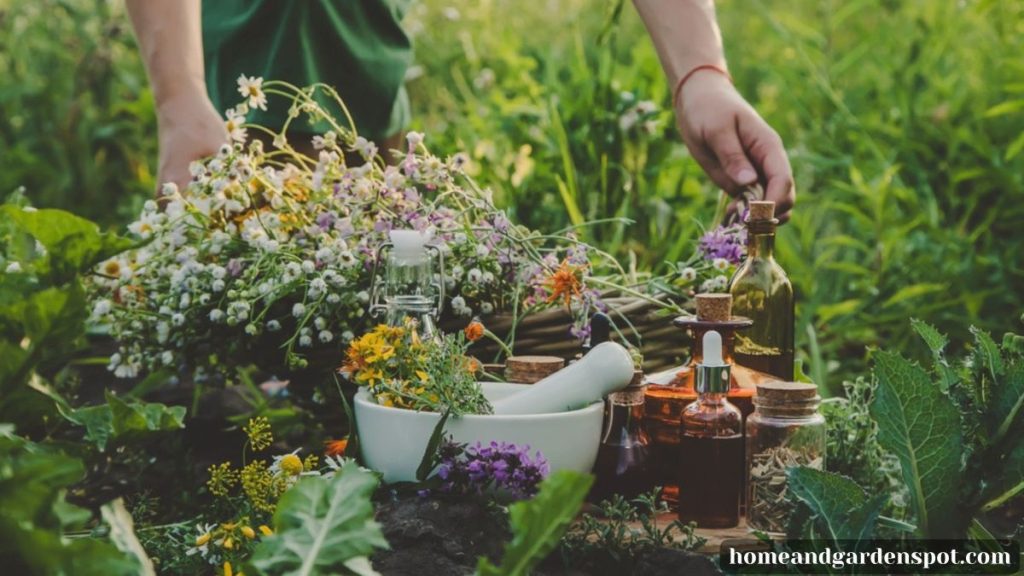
[[785, 430]]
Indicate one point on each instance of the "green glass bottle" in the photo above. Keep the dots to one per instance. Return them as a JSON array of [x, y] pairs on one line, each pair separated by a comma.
[[762, 292]]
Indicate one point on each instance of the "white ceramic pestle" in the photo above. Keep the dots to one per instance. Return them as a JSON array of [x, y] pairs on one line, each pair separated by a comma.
[[607, 368]]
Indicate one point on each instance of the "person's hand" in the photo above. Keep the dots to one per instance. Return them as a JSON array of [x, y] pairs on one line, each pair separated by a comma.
[[733, 144], [189, 129]]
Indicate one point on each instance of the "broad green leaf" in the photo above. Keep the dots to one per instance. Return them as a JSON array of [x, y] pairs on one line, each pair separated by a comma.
[[33, 516], [143, 416], [829, 311], [119, 417], [538, 524], [122, 534], [838, 503], [73, 244], [323, 526], [1008, 107], [920, 424]]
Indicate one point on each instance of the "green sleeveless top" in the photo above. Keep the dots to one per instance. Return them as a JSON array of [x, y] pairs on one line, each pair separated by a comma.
[[356, 46]]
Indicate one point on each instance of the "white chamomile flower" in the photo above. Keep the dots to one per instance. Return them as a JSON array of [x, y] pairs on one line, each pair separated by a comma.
[[414, 139], [101, 308], [235, 126], [720, 264], [688, 274], [251, 88]]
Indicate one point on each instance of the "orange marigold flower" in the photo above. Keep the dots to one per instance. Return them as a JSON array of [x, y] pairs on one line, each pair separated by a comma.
[[474, 331], [336, 447], [565, 283]]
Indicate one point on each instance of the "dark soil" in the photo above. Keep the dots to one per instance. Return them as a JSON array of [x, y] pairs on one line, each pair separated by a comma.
[[431, 537]]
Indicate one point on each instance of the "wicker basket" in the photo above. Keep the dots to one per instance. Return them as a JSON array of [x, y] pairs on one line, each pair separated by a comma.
[[547, 333]]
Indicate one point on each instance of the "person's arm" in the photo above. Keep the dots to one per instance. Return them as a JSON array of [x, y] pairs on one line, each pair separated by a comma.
[[733, 144], [170, 39]]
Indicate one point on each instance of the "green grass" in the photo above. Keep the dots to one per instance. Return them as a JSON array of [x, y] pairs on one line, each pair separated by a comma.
[[904, 121]]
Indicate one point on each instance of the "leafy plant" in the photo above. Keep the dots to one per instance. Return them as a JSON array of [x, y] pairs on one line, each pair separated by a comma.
[[956, 432], [539, 523], [323, 526], [607, 543], [34, 516]]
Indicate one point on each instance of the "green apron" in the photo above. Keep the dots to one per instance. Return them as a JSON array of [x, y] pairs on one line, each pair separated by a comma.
[[356, 46]]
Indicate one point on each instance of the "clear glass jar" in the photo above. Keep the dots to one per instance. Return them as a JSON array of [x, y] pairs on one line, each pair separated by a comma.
[[785, 430]]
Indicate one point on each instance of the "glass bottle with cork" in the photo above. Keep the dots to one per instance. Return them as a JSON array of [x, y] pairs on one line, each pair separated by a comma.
[[622, 465], [669, 392], [785, 430], [762, 292], [711, 446]]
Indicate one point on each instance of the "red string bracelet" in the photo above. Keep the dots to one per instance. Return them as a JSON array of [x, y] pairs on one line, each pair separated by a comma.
[[688, 75]]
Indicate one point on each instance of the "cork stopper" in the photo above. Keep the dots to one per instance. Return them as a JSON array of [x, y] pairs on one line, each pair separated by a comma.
[[531, 369], [761, 210], [633, 394], [775, 393], [714, 307]]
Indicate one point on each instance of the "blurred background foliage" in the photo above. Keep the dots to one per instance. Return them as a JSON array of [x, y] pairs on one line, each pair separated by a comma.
[[904, 121]]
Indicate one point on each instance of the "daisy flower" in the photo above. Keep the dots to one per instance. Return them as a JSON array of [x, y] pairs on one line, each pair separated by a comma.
[[251, 88]]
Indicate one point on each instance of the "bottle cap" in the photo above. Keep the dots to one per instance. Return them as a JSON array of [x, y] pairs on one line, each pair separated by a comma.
[[714, 307], [410, 246], [779, 393], [531, 369], [761, 210], [713, 373]]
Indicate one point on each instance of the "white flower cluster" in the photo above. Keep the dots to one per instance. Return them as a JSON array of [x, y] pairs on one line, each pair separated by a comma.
[[263, 260]]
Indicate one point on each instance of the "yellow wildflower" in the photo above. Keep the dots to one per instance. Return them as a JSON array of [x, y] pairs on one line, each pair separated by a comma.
[[229, 543], [248, 532], [203, 539], [265, 530], [291, 464], [227, 569]]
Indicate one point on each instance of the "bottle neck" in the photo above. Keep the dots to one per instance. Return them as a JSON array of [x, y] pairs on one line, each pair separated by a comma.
[[761, 240], [712, 398]]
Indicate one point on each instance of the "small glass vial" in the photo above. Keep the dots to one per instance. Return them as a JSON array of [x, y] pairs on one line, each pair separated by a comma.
[[711, 446], [785, 430], [623, 460]]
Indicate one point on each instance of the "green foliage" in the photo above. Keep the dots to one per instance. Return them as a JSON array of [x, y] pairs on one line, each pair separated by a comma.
[[956, 432], [122, 534], [607, 543], [77, 127], [119, 418], [840, 508], [323, 526], [921, 425], [852, 439], [34, 515], [538, 524]]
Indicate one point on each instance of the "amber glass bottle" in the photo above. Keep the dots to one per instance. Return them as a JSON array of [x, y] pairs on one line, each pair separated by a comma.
[[762, 292], [623, 459], [711, 447]]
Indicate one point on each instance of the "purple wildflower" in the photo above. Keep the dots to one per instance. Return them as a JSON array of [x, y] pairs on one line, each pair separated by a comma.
[[503, 467], [724, 242]]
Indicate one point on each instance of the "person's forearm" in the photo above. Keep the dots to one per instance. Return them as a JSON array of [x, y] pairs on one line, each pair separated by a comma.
[[685, 34], [169, 34]]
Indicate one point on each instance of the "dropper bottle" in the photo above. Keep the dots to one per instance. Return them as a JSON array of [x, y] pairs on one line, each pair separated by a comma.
[[711, 446]]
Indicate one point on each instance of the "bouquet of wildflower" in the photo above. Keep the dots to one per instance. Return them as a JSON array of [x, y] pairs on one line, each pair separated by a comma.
[[719, 251], [267, 256], [402, 370]]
